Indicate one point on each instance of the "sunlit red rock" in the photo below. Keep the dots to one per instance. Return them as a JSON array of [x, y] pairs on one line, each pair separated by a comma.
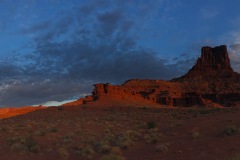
[[10, 112]]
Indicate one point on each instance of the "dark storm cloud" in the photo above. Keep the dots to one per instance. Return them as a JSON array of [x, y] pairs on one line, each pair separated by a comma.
[[8, 70], [73, 52], [80, 60], [52, 30], [109, 21]]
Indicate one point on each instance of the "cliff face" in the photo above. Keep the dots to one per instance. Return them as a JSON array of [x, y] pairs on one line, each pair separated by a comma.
[[213, 66], [210, 82], [213, 58]]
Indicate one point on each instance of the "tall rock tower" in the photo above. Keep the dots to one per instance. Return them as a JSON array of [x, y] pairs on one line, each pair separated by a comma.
[[213, 65], [213, 58]]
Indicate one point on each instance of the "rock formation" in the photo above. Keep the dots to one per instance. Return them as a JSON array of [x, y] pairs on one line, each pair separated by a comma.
[[79, 101], [213, 58], [214, 64], [211, 82]]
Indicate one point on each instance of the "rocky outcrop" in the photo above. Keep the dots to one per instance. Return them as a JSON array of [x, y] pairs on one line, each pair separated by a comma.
[[80, 101], [210, 82], [213, 58]]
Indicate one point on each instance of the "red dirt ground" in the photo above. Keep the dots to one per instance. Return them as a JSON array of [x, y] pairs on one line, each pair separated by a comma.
[[10, 112], [85, 132]]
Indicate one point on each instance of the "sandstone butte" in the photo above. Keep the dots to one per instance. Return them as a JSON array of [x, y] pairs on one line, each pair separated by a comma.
[[211, 82]]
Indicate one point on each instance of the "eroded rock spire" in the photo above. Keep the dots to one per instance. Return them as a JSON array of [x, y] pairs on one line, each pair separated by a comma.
[[213, 58]]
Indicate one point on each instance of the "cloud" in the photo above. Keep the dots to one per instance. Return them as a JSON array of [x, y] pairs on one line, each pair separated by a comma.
[[36, 28], [109, 21], [116, 62], [55, 103], [9, 71], [234, 56], [88, 45], [232, 39], [235, 47], [29, 92]]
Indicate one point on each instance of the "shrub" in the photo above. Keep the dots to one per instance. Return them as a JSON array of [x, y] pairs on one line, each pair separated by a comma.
[[151, 124], [68, 138], [23, 144], [151, 139], [124, 142], [231, 130], [63, 152], [143, 108], [41, 133], [109, 138], [127, 139], [105, 148], [86, 151], [116, 150], [162, 148], [3, 129], [152, 136], [60, 108], [102, 146], [53, 130], [133, 135], [110, 118], [195, 134]]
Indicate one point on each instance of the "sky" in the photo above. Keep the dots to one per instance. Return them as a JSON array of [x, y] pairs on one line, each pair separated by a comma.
[[55, 50]]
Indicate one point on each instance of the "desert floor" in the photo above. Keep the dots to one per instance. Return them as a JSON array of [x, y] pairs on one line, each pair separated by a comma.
[[118, 133]]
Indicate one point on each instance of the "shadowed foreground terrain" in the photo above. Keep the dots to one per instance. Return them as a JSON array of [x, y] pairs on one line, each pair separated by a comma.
[[122, 133]]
